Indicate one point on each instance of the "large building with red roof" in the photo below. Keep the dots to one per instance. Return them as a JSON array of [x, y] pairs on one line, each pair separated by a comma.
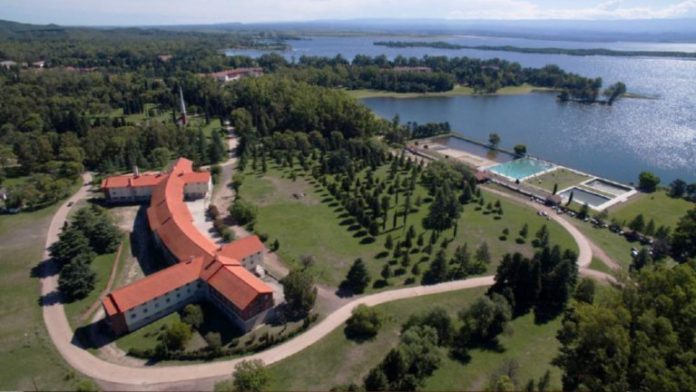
[[201, 270]]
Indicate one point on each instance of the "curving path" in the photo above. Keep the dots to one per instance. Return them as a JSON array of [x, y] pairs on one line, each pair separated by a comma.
[[124, 377]]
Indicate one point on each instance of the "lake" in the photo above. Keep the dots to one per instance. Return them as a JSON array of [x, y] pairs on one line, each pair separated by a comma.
[[617, 142]]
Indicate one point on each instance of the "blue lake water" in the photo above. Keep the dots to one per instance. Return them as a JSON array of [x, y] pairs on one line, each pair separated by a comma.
[[616, 142]]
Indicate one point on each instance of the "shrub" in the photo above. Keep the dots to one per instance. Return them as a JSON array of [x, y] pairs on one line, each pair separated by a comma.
[[364, 323]]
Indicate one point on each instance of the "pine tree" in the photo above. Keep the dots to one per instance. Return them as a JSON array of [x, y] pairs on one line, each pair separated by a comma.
[[438, 271], [358, 277]]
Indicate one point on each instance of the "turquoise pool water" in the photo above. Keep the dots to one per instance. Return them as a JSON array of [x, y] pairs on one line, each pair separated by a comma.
[[519, 169]]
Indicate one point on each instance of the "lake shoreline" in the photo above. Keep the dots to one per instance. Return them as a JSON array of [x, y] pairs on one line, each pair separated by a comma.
[[457, 91], [468, 91]]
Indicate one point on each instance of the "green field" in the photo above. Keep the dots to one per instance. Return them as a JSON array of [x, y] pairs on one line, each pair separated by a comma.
[[561, 176], [315, 225], [336, 360], [456, 91], [658, 206], [27, 357]]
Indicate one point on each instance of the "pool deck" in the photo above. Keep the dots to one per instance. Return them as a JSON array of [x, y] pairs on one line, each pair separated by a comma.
[[483, 164]]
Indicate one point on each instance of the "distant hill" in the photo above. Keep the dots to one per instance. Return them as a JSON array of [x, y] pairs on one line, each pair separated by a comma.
[[12, 29]]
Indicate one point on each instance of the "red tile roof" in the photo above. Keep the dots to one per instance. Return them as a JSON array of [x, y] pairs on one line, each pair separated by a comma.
[[238, 285], [171, 219], [132, 181], [242, 248], [155, 285]]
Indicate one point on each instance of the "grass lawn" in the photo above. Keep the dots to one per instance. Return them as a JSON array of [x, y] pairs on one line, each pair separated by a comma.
[[563, 177], [613, 244], [102, 266], [27, 357], [598, 265], [336, 360], [657, 206], [316, 225]]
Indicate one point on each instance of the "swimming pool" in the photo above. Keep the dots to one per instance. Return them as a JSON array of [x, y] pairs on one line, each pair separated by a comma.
[[519, 169], [582, 196], [608, 187]]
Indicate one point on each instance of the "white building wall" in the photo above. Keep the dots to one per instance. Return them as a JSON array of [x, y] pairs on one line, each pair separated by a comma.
[[163, 305]]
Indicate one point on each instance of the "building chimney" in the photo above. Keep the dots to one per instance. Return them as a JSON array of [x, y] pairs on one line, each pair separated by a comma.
[[136, 171]]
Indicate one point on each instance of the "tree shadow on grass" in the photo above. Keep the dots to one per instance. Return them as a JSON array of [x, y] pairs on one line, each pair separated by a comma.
[[327, 199], [346, 222], [382, 254], [360, 234], [381, 283], [354, 227], [367, 240], [356, 337]]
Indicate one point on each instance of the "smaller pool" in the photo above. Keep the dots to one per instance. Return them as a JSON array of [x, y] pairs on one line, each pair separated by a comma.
[[519, 169], [582, 196], [608, 187]]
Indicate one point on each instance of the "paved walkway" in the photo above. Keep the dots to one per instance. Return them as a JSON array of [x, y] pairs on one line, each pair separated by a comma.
[[117, 376]]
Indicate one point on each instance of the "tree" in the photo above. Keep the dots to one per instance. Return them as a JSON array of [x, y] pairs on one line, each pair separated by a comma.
[[520, 149], [436, 318], [484, 320], [462, 262], [444, 210], [555, 188], [585, 291], [637, 224], [216, 149], [386, 272], [243, 212], [251, 376], [584, 211], [648, 182], [389, 242], [483, 254], [175, 336], [677, 188], [300, 293], [364, 323], [524, 231], [358, 277], [77, 279], [71, 242], [542, 237], [376, 380], [625, 342], [684, 237], [438, 271], [193, 315], [494, 139]]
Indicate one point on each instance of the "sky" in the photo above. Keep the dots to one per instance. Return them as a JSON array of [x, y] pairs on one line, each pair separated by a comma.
[[152, 12]]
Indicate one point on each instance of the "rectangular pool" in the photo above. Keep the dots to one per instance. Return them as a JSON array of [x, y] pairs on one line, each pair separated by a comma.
[[477, 149], [522, 168], [608, 187], [582, 196]]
